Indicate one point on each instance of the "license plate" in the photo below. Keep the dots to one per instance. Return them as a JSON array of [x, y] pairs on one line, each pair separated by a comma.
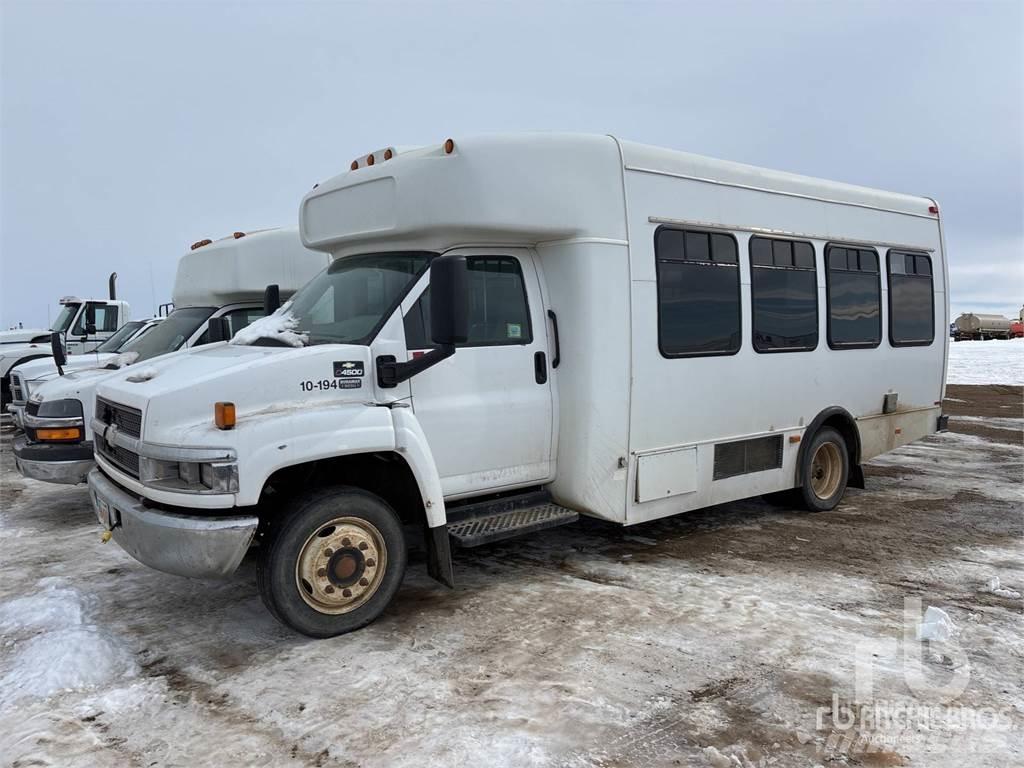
[[103, 512]]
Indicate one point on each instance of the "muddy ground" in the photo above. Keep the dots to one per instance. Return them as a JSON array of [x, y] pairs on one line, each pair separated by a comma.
[[739, 635]]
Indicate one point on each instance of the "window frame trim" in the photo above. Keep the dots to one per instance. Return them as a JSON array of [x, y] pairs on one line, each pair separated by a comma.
[[817, 308], [712, 264], [839, 346], [931, 294]]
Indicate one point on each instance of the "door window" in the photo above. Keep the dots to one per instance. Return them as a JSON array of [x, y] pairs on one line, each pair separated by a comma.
[[498, 310], [106, 320]]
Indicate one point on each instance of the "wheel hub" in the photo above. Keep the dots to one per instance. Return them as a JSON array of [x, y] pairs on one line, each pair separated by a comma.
[[826, 470], [341, 565]]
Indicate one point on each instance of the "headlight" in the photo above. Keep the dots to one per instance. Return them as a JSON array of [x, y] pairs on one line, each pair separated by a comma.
[[189, 476], [60, 409]]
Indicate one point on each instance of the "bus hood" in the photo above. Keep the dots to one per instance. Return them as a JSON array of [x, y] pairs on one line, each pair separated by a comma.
[[10, 354], [23, 335], [46, 368], [176, 394]]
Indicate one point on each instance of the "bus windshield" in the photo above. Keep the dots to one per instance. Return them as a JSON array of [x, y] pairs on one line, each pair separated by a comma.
[[169, 334], [113, 344], [348, 302]]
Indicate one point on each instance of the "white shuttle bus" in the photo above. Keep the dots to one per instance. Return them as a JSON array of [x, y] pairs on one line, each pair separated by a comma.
[[517, 330], [219, 289]]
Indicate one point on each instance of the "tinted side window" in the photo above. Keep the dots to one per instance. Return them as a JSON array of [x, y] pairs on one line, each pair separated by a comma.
[[854, 293], [784, 295], [911, 299], [698, 280], [498, 310]]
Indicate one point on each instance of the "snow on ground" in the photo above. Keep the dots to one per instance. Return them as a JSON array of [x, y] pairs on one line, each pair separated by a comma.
[[733, 636], [986, 362]]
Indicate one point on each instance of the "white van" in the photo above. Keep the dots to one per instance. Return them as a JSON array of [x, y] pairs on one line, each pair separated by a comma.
[[83, 325], [217, 283], [519, 329]]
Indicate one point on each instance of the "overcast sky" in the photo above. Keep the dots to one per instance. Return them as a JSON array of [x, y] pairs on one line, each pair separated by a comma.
[[130, 130]]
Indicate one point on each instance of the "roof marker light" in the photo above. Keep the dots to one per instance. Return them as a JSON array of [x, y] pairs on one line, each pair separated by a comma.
[[449, 146], [354, 166], [388, 154], [237, 235], [200, 243], [933, 209], [369, 159]]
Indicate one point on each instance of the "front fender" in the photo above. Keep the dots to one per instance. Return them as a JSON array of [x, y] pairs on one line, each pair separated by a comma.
[[269, 441], [412, 444]]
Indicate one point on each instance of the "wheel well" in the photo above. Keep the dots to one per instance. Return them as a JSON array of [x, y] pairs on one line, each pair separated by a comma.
[[841, 421], [845, 426], [385, 474]]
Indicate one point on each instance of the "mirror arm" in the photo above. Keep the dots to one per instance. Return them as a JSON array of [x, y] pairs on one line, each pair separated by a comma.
[[391, 373]]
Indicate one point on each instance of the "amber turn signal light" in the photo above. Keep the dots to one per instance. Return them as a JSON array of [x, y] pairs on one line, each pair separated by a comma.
[[224, 415], [71, 433]]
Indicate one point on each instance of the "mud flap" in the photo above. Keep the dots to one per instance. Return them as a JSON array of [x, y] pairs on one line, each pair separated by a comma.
[[439, 555], [856, 479]]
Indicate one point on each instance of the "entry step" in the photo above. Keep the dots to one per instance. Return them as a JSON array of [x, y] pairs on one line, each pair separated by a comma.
[[506, 519]]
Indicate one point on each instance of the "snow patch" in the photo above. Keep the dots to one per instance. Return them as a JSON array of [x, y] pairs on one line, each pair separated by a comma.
[[986, 362], [137, 377], [122, 359], [281, 326], [996, 589], [936, 626], [55, 649]]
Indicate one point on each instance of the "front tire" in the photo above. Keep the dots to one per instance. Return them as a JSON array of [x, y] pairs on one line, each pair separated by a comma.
[[825, 471], [333, 562]]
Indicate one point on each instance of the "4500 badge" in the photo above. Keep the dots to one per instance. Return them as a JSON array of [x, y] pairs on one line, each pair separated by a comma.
[[348, 374]]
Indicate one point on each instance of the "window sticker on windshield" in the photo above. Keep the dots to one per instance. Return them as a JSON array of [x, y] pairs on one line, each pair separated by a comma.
[[513, 330], [346, 368]]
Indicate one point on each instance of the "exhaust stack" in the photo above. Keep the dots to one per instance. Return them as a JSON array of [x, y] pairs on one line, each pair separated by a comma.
[[112, 286]]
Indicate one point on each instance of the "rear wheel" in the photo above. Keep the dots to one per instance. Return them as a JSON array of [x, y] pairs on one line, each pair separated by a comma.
[[825, 471], [333, 563]]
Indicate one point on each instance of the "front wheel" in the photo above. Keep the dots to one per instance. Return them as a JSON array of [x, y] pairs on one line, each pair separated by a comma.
[[825, 471], [333, 563]]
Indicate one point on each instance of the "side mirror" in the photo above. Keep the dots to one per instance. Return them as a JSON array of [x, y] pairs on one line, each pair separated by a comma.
[[57, 347], [220, 329], [90, 318], [271, 299], [449, 300]]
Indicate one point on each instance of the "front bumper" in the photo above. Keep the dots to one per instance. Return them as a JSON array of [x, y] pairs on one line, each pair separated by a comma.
[[197, 546], [67, 463], [17, 412]]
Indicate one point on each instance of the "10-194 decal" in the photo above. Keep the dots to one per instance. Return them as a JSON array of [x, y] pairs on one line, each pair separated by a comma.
[[348, 374]]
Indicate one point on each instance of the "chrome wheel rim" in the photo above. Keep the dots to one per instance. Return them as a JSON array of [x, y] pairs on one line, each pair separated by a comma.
[[341, 565], [826, 470]]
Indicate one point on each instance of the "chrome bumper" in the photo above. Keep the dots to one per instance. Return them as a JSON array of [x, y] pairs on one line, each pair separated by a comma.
[[66, 463], [17, 415], [186, 545]]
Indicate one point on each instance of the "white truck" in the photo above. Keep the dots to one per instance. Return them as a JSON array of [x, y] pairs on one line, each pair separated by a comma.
[[33, 374], [516, 330], [219, 289], [83, 325]]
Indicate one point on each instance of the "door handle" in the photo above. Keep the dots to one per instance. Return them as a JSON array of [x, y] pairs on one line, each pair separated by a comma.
[[558, 346], [540, 367]]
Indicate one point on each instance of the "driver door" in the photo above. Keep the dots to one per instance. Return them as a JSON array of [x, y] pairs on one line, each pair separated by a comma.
[[487, 411]]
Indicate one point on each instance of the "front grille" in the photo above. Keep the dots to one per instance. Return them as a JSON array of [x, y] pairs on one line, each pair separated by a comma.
[[17, 389], [128, 420], [32, 409], [122, 458]]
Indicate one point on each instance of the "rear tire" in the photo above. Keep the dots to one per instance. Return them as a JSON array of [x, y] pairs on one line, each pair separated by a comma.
[[824, 472], [333, 563]]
